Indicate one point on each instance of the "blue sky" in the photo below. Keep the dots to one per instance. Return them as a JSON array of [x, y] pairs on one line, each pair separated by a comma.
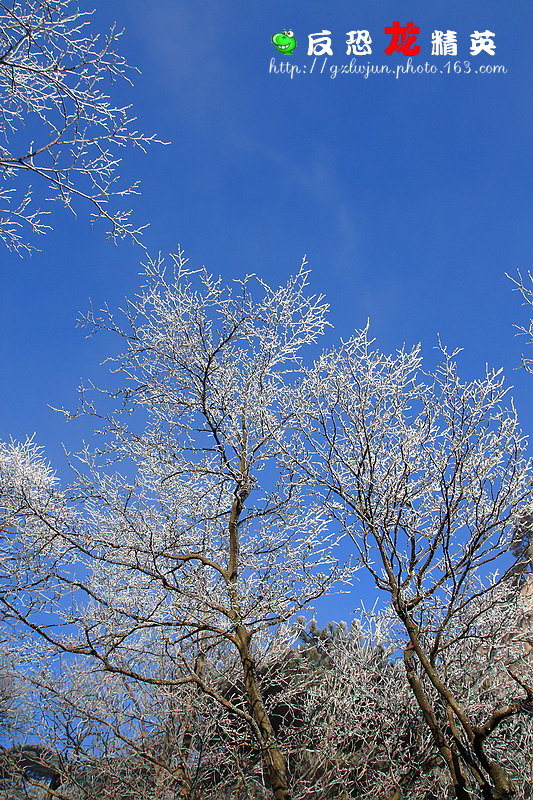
[[410, 196]]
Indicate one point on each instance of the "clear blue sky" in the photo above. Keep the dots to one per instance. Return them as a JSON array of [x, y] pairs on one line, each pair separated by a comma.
[[411, 196]]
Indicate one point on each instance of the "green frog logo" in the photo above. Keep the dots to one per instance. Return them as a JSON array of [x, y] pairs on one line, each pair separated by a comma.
[[284, 42]]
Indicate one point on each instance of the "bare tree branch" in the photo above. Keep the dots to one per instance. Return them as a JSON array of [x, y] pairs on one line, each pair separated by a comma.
[[58, 126]]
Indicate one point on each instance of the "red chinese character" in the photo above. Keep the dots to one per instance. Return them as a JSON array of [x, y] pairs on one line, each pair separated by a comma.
[[402, 39]]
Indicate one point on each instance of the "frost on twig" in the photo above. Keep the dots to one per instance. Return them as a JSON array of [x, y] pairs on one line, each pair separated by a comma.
[[58, 127]]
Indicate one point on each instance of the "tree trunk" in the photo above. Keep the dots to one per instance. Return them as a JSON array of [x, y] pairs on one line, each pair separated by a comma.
[[273, 758]]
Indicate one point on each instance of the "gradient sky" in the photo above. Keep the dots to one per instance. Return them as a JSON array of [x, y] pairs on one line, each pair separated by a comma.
[[411, 197]]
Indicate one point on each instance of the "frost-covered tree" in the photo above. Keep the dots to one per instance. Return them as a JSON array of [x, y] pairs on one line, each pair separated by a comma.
[[426, 473], [59, 127], [184, 540], [522, 545], [149, 601]]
